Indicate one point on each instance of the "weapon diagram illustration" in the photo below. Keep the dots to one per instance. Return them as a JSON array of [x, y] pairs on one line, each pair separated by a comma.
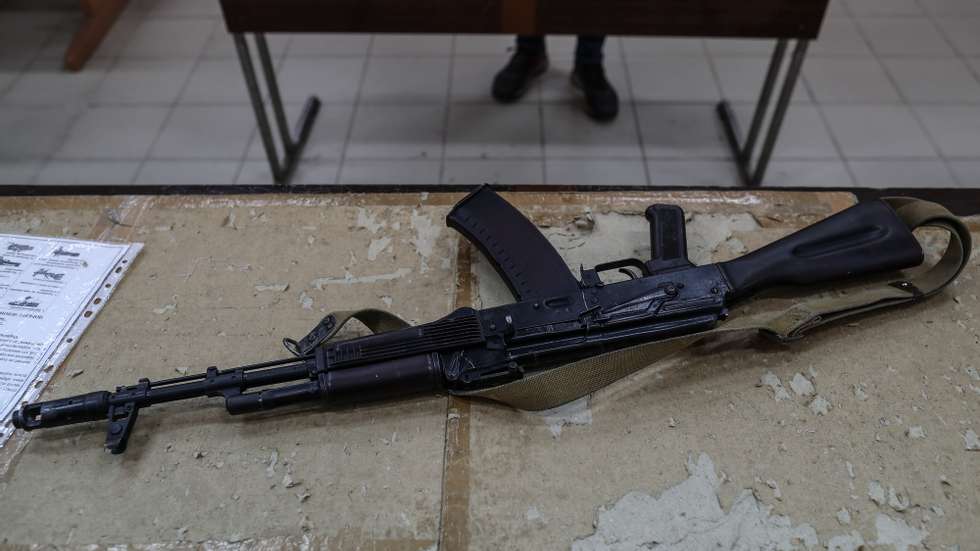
[[43, 273]]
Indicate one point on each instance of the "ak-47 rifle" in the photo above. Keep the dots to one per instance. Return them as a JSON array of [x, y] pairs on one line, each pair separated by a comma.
[[557, 321]]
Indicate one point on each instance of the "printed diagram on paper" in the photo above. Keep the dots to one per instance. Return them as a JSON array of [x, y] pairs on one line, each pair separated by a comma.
[[48, 288]]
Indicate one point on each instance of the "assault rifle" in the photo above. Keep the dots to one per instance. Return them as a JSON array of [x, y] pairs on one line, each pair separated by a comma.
[[557, 319]]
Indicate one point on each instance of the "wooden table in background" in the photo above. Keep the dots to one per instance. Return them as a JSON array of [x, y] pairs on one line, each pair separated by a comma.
[[99, 18], [782, 20]]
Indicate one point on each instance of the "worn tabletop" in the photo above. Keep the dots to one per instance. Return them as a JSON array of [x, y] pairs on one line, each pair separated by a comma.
[[857, 433]]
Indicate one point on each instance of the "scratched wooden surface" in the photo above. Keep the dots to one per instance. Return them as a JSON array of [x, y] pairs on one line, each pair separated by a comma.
[[445, 471]]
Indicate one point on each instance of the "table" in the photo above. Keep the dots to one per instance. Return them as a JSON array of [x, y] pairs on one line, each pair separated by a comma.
[[99, 18], [456, 473], [782, 20]]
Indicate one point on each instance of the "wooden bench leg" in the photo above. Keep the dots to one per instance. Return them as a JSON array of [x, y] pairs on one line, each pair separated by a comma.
[[99, 17]]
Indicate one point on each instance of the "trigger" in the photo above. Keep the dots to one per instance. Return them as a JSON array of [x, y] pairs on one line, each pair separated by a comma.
[[629, 273]]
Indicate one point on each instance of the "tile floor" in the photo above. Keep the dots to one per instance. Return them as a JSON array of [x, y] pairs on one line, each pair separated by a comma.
[[890, 97]]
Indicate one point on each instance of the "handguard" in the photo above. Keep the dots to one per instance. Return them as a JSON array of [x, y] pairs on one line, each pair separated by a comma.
[[523, 257]]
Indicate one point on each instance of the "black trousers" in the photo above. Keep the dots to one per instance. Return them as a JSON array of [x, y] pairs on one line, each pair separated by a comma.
[[588, 50]]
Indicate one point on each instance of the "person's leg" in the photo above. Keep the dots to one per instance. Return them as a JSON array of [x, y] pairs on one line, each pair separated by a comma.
[[601, 100], [529, 61], [531, 43], [589, 49]]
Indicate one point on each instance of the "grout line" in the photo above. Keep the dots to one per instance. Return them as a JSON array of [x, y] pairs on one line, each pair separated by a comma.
[[818, 107], [634, 108], [83, 107], [173, 105], [354, 112], [447, 110], [932, 19], [909, 106]]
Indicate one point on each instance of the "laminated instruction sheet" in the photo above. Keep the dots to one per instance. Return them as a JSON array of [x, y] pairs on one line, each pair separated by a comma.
[[50, 289]]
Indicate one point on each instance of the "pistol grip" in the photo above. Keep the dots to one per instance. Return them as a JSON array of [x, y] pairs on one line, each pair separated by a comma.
[[523, 257], [668, 238]]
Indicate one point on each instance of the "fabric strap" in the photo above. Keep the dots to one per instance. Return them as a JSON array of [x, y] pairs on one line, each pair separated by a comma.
[[378, 321], [571, 381]]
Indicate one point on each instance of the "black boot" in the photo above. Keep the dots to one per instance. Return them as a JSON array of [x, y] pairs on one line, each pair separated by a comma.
[[601, 100], [514, 80]]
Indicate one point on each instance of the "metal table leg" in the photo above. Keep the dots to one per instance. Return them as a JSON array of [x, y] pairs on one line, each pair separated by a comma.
[[751, 169], [292, 144]]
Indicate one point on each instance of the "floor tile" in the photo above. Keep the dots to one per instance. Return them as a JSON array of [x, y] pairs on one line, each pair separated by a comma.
[[824, 173], [493, 131], [682, 131], [397, 132], [221, 44], [966, 173], [18, 173], [32, 133], [114, 133], [216, 81], [213, 132], [327, 139], [496, 45], [46, 83], [974, 63], [636, 47], [741, 79], [331, 79], [403, 124], [802, 136], [118, 37], [904, 36], [739, 46], [412, 45], [846, 80], [840, 36], [88, 173], [569, 133], [563, 47], [596, 172], [390, 173], [473, 78], [331, 44], [184, 8], [24, 36], [963, 32], [556, 84], [406, 80], [144, 81], [889, 174], [862, 8], [934, 80], [956, 129], [875, 131], [187, 173], [664, 172], [837, 9], [951, 7], [159, 38], [673, 78], [473, 172], [316, 173], [58, 41], [7, 78]]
